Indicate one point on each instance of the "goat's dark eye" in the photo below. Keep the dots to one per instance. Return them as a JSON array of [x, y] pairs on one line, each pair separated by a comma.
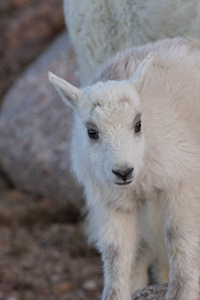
[[93, 134], [138, 126]]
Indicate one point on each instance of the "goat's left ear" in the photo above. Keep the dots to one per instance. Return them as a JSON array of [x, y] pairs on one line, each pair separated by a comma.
[[69, 93], [138, 77]]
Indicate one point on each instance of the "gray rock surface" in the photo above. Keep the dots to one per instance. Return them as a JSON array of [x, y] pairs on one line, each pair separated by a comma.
[[154, 292], [35, 128]]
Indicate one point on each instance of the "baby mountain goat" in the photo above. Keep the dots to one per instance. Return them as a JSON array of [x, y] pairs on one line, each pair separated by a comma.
[[136, 149]]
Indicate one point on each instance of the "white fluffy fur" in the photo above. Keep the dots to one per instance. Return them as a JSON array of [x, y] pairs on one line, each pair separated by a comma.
[[161, 205], [101, 28]]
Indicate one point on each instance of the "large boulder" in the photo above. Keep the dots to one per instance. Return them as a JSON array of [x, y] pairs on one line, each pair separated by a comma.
[[35, 128]]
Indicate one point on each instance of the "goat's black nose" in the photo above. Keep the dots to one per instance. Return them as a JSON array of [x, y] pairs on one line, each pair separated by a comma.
[[123, 174]]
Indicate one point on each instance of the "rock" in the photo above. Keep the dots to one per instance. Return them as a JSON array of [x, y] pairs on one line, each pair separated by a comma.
[[154, 292], [89, 285], [35, 128]]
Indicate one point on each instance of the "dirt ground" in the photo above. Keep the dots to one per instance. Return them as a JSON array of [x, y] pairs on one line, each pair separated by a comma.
[[43, 251]]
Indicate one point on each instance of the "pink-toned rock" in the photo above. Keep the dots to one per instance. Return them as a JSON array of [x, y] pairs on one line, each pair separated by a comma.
[[154, 292], [35, 128]]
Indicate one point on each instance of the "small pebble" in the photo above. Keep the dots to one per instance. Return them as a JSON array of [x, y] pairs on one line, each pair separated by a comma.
[[89, 285]]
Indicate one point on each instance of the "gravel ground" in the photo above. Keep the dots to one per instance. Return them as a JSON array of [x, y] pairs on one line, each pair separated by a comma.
[[43, 251]]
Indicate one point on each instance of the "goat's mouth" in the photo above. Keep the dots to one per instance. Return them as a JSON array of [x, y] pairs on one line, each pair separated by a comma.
[[123, 183]]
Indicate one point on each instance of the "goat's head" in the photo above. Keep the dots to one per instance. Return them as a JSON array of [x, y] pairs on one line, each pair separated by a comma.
[[108, 133]]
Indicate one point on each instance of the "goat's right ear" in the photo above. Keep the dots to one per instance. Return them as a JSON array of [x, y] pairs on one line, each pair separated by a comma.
[[69, 93], [138, 77]]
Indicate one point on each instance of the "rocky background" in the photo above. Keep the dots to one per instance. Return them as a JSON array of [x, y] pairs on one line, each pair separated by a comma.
[[43, 251], [27, 27]]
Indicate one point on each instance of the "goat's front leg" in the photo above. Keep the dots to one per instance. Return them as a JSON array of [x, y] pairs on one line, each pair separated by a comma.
[[182, 241], [117, 244]]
